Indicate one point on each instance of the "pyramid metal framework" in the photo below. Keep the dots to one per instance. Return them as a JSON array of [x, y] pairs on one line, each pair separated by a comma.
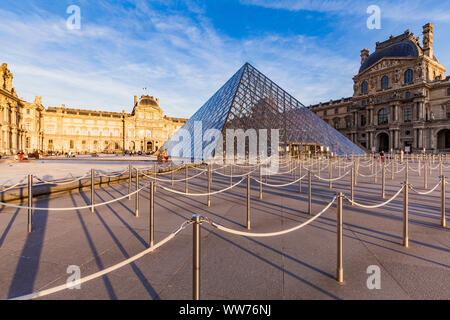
[[250, 100]]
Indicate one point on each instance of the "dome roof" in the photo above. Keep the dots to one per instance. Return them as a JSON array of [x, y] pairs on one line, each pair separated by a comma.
[[148, 101], [404, 49]]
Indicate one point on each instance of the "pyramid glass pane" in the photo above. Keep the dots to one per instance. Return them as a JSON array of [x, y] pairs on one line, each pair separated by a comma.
[[250, 100]]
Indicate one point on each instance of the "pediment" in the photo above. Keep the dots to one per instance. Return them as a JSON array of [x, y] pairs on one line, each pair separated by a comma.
[[387, 63]]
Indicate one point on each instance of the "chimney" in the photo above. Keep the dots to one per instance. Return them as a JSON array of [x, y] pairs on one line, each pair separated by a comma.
[[428, 40], [135, 100], [364, 55]]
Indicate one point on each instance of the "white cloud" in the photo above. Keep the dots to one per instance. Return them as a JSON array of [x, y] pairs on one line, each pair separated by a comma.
[[182, 59]]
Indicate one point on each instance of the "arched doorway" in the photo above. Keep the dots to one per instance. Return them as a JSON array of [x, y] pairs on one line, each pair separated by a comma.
[[149, 146], [443, 139], [383, 142], [132, 146]]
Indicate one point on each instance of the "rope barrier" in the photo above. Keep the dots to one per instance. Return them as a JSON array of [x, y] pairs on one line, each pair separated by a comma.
[[374, 206], [102, 174], [166, 180], [12, 187], [61, 183], [427, 192], [235, 176], [279, 185], [273, 234], [200, 194], [331, 180], [107, 270], [73, 208]]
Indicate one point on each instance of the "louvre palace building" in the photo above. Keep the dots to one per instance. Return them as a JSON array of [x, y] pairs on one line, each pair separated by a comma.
[[29, 127], [401, 98]]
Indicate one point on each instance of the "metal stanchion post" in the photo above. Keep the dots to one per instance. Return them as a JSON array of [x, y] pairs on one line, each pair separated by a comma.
[[137, 194], [330, 174], [352, 191], [444, 220], [356, 166], [340, 265], [299, 176], [260, 183], [231, 174], [155, 173], [186, 183], [130, 179], [196, 258], [309, 193], [440, 166], [30, 203], [209, 186], [383, 181], [405, 215], [419, 168], [376, 171], [152, 216], [171, 173], [248, 201], [425, 175], [92, 190]]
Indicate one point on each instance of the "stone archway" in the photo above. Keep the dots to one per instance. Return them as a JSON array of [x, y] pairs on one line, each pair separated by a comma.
[[443, 140], [149, 146], [383, 142]]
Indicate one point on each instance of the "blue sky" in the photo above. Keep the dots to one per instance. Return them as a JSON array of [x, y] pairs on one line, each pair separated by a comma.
[[183, 51]]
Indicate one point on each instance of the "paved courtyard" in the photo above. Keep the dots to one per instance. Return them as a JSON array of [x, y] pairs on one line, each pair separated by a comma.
[[299, 265]]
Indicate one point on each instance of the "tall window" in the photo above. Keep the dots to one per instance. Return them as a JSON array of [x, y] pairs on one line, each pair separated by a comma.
[[363, 120], [336, 123], [71, 144], [383, 117], [448, 91], [409, 76], [448, 112], [336, 110], [408, 95], [348, 122], [407, 114], [385, 82], [364, 87]]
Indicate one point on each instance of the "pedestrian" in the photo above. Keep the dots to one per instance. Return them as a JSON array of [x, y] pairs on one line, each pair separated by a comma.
[[382, 157]]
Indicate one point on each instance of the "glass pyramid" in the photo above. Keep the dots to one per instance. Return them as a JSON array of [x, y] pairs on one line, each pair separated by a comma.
[[250, 100]]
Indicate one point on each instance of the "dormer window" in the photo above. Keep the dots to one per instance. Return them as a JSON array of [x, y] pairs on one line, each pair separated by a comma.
[[409, 76], [385, 82], [365, 87]]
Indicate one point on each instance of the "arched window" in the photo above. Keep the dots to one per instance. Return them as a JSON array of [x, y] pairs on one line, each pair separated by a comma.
[[364, 87], [385, 82], [409, 76], [383, 117]]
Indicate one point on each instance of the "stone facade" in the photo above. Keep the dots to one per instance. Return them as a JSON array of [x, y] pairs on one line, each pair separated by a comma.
[[401, 98], [29, 127]]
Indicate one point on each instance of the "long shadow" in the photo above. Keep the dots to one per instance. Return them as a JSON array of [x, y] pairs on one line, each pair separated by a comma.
[[282, 269], [27, 268], [98, 261], [151, 291], [9, 226]]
